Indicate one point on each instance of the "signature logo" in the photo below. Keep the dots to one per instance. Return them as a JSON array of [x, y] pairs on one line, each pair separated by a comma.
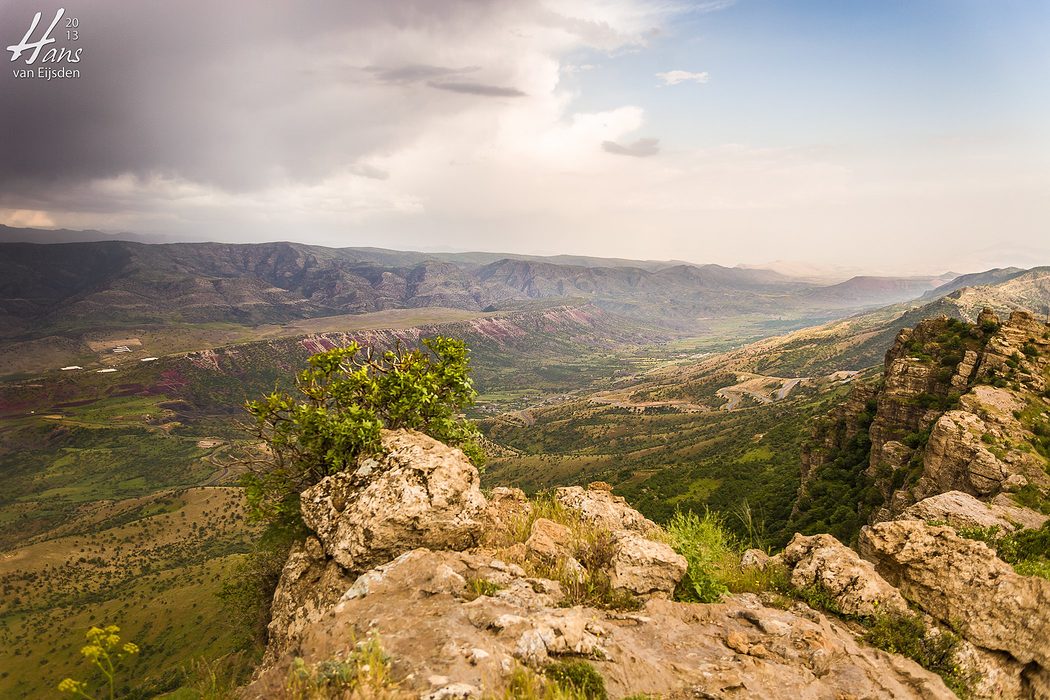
[[52, 55]]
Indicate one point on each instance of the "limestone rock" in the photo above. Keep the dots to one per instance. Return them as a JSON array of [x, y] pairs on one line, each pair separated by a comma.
[[821, 560], [964, 585], [956, 457], [957, 509], [755, 559], [645, 567], [1023, 517], [309, 585], [421, 493], [668, 649], [604, 509], [549, 541]]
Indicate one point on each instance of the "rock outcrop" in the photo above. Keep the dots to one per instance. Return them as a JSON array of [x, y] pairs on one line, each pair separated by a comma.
[[421, 493], [602, 508], [461, 591], [962, 408], [440, 636], [966, 587], [644, 567], [961, 510], [822, 561]]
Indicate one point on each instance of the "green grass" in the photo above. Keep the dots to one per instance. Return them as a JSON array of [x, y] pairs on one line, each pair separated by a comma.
[[713, 555], [758, 454], [171, 615]]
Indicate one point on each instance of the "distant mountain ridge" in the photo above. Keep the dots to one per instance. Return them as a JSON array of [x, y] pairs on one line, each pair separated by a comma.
[[115, 283]]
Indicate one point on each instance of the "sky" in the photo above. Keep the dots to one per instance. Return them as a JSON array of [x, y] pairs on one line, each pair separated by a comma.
[[898, 136]]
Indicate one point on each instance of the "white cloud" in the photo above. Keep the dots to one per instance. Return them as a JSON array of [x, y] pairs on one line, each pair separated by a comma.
[[673, 77], [350, 144]]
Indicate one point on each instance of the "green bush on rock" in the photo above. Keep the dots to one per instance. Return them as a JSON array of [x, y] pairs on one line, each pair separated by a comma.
[[344, 399]]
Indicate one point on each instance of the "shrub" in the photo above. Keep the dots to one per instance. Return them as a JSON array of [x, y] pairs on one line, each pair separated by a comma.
[[708, 548], [1028, 551], [247, 594], [935, 651], [525, 684], [818, 597], [344, 399]]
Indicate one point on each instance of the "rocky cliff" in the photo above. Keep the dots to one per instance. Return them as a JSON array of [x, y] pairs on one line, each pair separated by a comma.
[[961, 407], [947, 461]]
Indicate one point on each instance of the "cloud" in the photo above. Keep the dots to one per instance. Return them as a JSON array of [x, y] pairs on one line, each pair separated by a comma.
[[369, 171], [295, 96], [23, 218], [413, 73], [642, 148], [673, 77], [416, 123], [477, 89]]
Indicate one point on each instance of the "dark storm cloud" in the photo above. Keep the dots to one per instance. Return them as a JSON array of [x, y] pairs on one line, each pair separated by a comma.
[[414, 73], [478, 89], [641, 148], [235, 95]]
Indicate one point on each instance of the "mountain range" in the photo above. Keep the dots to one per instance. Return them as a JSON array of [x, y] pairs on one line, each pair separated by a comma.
[[116, 284]]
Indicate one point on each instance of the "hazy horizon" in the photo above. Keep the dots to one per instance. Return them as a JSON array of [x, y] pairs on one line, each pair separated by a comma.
[[884, 139]]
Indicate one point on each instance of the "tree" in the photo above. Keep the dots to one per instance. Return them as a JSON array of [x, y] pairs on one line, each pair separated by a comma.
[[344, 399]]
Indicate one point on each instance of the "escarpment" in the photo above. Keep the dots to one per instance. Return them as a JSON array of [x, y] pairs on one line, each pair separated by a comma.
[[945, 470], [960, 408]]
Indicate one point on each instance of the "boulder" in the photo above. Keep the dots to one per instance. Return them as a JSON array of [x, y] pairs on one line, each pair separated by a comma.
[[602, 508], [755, 559], [1018, 514], [645, 567], [549, 542], [420, 493], [963, 584], [957, 509], [823, 561]]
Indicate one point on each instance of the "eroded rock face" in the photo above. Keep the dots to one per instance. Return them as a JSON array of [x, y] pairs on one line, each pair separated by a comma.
[[310, 585], [421, 493], [964, 585], [975, 449], [823, 561], [954, 413], [735, 649]]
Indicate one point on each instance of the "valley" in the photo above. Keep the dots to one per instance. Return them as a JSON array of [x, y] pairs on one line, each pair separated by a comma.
[[120, 501]]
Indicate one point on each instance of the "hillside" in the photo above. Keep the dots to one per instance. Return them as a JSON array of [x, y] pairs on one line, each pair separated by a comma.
[[724, 429], [116, 477], [116, 494]]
